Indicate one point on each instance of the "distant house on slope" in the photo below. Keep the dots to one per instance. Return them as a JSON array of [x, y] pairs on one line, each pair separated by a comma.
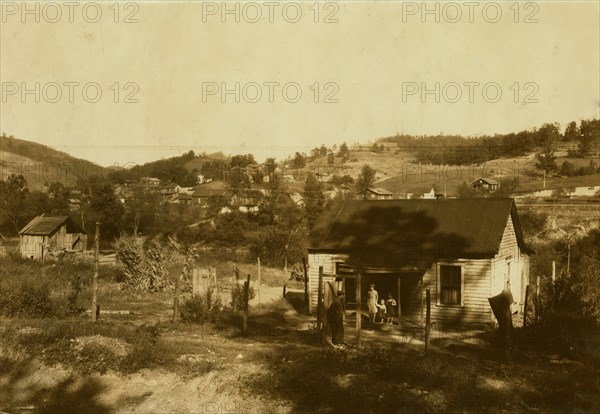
[[374, 193], [150, 181], [202, 195], [486, 184], [463, 250], [47, 237]]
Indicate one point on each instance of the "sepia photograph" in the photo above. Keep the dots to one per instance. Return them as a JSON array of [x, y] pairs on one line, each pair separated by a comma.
[[254, 207]]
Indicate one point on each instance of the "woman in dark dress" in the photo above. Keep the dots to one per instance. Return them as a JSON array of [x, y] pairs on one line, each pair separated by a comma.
[[335, 317]]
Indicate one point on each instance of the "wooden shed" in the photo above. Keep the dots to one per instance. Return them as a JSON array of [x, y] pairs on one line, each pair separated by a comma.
[[48, 237], [463, 250]]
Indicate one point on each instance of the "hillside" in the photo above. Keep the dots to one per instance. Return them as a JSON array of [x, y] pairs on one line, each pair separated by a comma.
[[42, 165]]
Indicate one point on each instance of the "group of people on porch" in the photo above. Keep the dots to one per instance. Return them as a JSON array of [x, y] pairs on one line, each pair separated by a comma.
[[380, 311]]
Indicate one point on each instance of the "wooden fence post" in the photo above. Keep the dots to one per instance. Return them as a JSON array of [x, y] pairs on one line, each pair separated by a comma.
[[358, 309], [320, 305], [245, 311], [525, 307], [427, 318], [176, 299], [259, 280], [537, 299], [95, 310]]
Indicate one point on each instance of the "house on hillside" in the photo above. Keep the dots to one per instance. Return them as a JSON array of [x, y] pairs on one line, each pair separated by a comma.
[[153, 181], [181, 198], [463, 250], [486, 184], [121, 197], [49, 237], [168, 190], [374, 193], [203, 194]]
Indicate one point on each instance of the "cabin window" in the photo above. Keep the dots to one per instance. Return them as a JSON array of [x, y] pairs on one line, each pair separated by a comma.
[[450, 285]]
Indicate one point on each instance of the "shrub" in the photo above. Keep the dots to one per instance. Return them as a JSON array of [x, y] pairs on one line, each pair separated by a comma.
[[25, 299], [237, 297], [201, 308]]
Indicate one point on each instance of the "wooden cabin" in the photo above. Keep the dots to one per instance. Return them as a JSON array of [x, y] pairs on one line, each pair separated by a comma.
[[463, 250], [374, 193], [50, 237], [485, 184]]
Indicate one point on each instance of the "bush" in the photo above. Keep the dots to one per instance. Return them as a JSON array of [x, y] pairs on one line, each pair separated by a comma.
[[532, 223], [201, 308], [237, 297], [25, 300]]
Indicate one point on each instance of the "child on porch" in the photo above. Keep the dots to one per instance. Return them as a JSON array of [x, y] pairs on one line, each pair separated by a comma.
[[390, 304], [381, 308]]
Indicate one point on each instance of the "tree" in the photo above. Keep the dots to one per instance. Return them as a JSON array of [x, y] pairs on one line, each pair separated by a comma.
[[314, 199], [230, 229], [547, 138], [105, 208], [242, 161], [140, 209], [589, 137], [37, 203], [59, 199], [366, 178], [322, 150], [342, 181], [214, 170], [12, 199], [567, 168], [330, 158], [299, 161], [343, 150], [571, 132]]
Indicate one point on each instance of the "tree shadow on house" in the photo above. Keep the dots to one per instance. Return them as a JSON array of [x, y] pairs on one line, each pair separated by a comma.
[[376, 235], [22, 392]]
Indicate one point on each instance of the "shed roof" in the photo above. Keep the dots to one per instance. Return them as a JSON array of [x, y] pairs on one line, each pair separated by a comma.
[[414, 233], [48, 225]]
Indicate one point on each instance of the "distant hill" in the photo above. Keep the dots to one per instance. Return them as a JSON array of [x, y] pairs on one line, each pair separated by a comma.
[[42, 165], [182, 169]]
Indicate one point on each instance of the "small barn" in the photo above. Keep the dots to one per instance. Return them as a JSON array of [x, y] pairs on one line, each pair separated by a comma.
[[463, 250], [49, 237]]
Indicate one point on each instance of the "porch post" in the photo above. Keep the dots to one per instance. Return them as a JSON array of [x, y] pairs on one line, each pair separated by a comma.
[[358, 309], [319, 304], [399, 304], [421, 300]]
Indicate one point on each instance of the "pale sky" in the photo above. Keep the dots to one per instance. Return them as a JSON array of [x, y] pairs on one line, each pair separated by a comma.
[[543, 57]]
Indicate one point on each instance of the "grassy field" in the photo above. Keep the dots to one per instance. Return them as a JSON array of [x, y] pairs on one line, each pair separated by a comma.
[[140, 361], [400, 173]]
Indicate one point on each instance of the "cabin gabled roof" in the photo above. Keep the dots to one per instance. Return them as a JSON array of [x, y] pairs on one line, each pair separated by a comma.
[[486, 180], [414, 233], [376, 190], [48, 225]]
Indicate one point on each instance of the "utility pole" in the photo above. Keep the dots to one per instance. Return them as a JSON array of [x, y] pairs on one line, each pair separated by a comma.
[[95, 311]]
